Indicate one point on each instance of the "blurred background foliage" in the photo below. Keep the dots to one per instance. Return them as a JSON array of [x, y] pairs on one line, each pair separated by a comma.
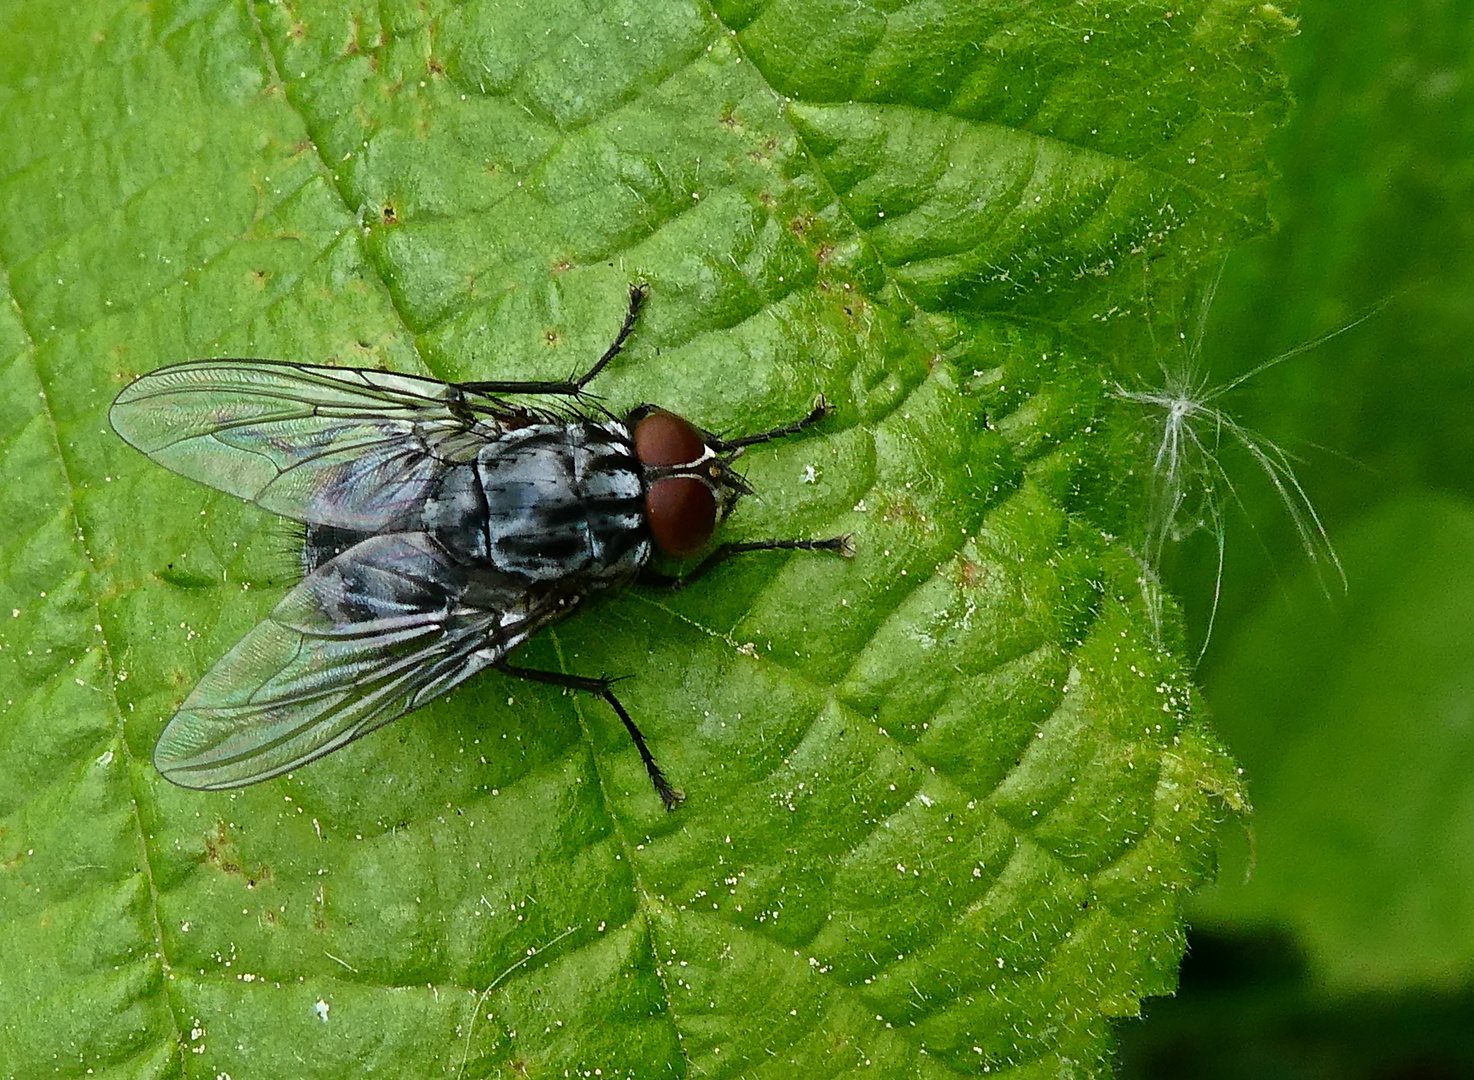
[[1339, 941]]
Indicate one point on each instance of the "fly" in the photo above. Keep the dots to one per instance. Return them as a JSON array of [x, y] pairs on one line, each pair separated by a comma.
[[444, 526]]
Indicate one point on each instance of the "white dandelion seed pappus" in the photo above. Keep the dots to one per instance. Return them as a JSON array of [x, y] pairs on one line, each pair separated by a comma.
[[1191, 487]]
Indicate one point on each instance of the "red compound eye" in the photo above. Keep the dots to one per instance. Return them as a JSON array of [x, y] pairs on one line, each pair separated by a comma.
[[682, 513], [664, 439]]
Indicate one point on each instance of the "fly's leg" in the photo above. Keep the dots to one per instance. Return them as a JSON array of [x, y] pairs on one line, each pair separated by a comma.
[[820, 410], [638, 293], [571, 387], [841, 545], [668, 795]]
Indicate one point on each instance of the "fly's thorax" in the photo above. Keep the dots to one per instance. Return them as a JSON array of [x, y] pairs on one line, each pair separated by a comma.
[[455, 512], [547, 503]]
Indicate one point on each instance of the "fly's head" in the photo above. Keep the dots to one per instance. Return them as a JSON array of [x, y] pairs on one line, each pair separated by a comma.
[[690, 486]]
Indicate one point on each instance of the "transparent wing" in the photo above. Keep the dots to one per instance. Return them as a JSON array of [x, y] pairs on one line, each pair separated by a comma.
[[348, 447], [365, 638]]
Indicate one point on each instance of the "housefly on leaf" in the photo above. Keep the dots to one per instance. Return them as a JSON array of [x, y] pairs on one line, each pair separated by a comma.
[[445, 524]]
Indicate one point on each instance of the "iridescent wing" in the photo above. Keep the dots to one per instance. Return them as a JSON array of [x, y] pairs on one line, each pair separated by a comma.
[[347, 447], [365, 638]]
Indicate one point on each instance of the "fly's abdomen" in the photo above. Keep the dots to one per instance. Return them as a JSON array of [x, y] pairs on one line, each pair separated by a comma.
[[323, 542], [557, 502]]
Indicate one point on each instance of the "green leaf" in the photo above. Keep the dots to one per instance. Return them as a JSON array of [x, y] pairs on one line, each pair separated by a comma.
[[943, 798], [1358, 739]]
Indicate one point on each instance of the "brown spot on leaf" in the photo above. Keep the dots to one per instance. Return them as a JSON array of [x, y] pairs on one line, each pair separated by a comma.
[[353, 47], [974, 575], [220, 854], [900, 509]]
